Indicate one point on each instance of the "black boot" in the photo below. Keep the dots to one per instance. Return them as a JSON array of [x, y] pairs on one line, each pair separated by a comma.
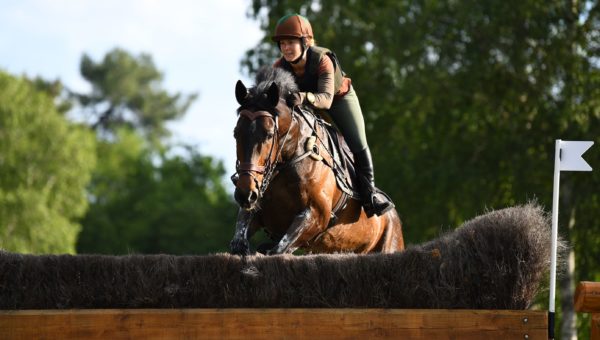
[[374, 201]]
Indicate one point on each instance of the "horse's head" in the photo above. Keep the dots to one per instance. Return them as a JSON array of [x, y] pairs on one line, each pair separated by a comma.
[[262, 127]]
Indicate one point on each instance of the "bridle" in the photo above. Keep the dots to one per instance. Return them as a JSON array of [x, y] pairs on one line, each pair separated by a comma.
[[269, 168]]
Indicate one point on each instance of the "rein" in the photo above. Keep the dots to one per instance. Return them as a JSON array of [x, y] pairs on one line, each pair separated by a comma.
[[335, 166], [272, 168], [278, 167]]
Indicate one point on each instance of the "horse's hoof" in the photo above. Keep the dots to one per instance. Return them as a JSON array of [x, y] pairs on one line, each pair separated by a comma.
[[239, 247]]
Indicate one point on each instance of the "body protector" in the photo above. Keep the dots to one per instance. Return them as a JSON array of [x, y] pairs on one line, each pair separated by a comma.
[[309, 82]]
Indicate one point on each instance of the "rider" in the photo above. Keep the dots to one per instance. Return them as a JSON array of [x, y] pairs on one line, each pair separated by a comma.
[[324, 86]]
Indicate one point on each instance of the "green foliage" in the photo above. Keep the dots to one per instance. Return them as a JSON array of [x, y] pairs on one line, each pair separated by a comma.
[[162, 204], [45, 164], [143, 200], [126, 90], [56, 90]]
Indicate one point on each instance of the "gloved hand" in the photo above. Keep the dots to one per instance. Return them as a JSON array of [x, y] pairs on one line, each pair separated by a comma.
[[298, 98]]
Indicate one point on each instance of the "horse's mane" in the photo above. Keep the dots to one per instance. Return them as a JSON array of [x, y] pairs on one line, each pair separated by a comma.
[[267, 75], [283, 78]]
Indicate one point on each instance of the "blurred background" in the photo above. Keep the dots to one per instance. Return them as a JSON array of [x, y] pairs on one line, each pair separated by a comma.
[[116, 117]]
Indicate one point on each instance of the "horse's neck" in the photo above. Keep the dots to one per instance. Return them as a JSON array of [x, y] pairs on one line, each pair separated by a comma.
[[294, 139], [303, 128]]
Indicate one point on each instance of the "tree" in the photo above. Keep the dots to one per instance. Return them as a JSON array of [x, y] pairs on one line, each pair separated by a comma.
[[463, 101], [56, 90], [142, 199], [141, 203], [126, 91], [45, 164]]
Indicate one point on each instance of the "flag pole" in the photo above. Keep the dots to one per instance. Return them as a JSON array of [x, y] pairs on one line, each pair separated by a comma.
[[551, 308]]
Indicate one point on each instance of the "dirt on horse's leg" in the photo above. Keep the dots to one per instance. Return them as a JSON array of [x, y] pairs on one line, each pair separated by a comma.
[[300, 223], [240, 245]]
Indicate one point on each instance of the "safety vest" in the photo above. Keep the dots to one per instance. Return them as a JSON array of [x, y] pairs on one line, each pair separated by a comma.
[[310, 81]]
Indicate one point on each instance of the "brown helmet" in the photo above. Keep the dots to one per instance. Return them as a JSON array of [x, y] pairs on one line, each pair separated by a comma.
[[292, 26]]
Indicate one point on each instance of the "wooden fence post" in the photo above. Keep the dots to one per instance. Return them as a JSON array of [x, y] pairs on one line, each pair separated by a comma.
[[587, 300]]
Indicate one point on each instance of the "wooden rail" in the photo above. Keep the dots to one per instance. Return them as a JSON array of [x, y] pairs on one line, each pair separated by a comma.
[[587, 300], [273, 323]]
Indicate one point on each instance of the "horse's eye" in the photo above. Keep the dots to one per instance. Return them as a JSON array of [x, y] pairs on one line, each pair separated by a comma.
[[270, 135], [235, 133]]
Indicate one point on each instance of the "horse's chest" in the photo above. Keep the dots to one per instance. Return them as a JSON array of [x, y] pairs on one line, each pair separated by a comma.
[[288, 187], [285, 198], [284, 194]]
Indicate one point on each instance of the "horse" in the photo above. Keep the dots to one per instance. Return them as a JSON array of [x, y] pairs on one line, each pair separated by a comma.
[[292, 192]]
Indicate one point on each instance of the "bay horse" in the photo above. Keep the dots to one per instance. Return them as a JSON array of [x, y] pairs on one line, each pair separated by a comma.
[[292, 192]]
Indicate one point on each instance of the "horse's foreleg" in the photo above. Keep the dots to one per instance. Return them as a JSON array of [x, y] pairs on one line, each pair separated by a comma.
[[240, 245], [300, 223]]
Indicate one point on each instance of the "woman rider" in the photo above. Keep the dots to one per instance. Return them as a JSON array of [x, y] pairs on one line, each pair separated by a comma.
[[324, 86]]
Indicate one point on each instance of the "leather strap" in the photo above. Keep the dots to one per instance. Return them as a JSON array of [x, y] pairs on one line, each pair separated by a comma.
[[339, 205], [250, 167], [256, 114]]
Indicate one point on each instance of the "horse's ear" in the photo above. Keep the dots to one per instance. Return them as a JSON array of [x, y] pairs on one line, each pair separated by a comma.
[[273, 94], [241, 92]]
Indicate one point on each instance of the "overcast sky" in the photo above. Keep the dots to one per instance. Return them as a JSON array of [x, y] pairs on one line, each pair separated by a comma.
[[198, 46]]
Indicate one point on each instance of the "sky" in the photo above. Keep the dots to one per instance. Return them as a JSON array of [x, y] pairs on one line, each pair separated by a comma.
[[197, 45]]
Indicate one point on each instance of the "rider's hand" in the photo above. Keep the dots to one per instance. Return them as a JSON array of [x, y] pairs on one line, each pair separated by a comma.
[[298, 98]]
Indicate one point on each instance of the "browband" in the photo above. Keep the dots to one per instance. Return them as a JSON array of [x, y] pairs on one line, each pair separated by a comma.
[[256, 114]]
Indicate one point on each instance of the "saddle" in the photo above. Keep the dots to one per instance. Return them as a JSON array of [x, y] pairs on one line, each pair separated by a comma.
[[342, 163]]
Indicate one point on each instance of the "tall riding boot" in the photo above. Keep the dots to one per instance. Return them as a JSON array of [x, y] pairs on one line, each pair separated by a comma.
[[374, 201]]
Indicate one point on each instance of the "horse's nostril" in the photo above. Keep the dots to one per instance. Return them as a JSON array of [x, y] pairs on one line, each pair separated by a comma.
[[238, 197], [245, 199], [235, 178], [253, 196]]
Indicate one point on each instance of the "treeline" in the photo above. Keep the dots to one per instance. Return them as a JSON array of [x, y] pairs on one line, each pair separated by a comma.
[[93, 172]]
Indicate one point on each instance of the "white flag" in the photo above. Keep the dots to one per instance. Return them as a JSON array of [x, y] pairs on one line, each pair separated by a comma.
[[570, 156]]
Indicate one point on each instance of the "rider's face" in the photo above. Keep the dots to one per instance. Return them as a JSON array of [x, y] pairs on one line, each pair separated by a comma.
[[290, 48]]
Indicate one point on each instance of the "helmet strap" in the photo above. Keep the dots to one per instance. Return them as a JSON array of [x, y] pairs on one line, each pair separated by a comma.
[[297, 60]]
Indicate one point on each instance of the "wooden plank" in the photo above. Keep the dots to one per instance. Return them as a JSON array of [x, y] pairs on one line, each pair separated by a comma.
[[595, 328], [273, 323], [587, 297]]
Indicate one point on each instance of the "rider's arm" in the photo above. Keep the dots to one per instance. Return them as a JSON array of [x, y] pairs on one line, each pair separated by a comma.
[[324, 96]]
